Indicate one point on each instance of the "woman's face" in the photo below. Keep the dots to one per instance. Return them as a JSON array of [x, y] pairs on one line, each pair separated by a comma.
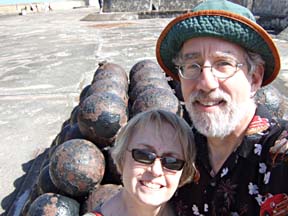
[[152, 184]]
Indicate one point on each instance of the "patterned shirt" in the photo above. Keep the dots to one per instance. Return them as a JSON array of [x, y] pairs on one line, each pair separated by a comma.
[[257, 171]]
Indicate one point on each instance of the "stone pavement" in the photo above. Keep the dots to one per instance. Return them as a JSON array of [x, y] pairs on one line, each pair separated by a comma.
[[46, 60]]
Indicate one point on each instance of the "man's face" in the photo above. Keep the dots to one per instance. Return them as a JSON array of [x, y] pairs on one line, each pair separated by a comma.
[[216, 106]]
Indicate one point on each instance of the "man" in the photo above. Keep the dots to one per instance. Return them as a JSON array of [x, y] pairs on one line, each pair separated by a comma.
[[100, 6], [222, 57]]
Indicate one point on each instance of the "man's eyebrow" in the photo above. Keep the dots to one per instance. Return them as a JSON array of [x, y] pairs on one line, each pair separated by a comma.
[[197, 55], [227, 54], [193, 55]]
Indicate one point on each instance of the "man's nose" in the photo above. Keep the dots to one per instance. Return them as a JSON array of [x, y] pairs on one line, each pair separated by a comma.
[[207, 81]]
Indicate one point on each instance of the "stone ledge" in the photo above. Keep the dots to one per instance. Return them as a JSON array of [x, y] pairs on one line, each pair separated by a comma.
[[114, 16], [161, 14]]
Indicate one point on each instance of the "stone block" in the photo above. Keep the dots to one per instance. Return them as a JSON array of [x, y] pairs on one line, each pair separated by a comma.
[[126, 6], [271, 8], [177, 4]]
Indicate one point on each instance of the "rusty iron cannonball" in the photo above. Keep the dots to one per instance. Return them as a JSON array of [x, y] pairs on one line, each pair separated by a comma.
[[147, 84], [76, 167], [156, 98], [67, 133], [113, 72], [108, 85], [82, 95], [44, 182], [100, 117], [50, 204], [74, 115], [105, 65], [73, 133], [101, 194], [144, 69], [111, 175], [145, 73], [273, 100], [146, 63]]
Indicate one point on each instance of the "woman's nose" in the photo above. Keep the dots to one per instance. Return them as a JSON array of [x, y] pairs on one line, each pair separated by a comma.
[[156, 167]]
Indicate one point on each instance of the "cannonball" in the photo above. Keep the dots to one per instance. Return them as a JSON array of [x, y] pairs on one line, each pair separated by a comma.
[[51, 204], [101, 194], [100, 117], [156, 98], [76, 167], [111, 175], [146, 73], [44, 182], [113, 72], [146, 63], [139, 77], [73, 133], [272, 99], [52, 150], [61, 135], [147, 84], [74, 115], [69, 132], [108, 85], [83, 93], [65, 123], [34, 193], [116, 68]]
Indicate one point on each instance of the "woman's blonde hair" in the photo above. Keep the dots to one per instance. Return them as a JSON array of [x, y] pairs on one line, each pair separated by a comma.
[[183, 135]]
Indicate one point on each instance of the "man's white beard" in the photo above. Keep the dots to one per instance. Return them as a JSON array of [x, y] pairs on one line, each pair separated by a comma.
[[221, 122]]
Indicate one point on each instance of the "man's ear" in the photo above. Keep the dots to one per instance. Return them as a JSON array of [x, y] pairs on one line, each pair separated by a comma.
[[257, 79]]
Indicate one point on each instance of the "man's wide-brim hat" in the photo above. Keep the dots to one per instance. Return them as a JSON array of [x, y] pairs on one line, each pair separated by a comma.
[[221, 19]]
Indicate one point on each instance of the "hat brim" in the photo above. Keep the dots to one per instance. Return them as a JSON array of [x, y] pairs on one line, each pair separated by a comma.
[[221, 24]]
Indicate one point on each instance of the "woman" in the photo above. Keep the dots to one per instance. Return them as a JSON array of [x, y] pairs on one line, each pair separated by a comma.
[[154, 152]]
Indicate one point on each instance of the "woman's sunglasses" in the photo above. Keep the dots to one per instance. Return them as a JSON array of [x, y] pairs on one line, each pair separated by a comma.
[[147, 157]]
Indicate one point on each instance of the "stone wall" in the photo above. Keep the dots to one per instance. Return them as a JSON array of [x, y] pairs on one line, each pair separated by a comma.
[[260, 7], [126, 6], [270, 7], [272, 14], [148, 5], [176, 5]]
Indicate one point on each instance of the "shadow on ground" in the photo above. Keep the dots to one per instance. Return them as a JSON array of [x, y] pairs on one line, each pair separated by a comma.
[[14, 202]]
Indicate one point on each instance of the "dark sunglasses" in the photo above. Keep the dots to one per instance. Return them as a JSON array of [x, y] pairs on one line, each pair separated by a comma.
[[147, 157]]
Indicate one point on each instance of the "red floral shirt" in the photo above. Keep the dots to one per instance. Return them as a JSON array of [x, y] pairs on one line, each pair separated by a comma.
[[250, 179]]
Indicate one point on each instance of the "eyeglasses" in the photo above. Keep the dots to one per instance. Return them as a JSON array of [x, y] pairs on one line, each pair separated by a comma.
[[220, 69], [147, 157]]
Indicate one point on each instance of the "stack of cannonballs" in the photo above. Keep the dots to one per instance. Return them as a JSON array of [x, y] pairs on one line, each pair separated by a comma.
[[149, 88], [78, 173]]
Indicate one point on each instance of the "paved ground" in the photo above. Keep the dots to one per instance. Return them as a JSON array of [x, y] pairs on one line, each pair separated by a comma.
[[45, 61]]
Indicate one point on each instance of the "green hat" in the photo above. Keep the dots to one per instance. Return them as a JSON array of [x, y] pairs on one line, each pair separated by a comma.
[[221, 19]]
